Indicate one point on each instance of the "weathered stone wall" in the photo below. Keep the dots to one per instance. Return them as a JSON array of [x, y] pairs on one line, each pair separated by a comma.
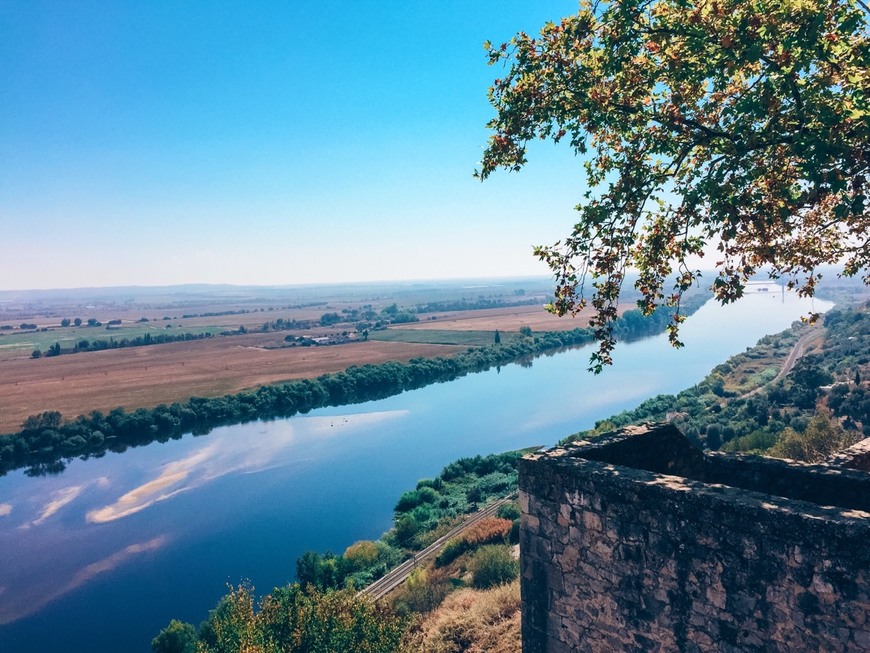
[[618, 556], [855, 457]]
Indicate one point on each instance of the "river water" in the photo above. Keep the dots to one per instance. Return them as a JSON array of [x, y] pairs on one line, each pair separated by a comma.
[[102, 556]]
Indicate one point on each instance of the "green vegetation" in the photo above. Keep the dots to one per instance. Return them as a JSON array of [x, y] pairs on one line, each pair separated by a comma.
[[477, 304], [739, 125], [815, 409], [493, 565], [290, 619], [485, 532], [177, 637], [421, 516], [69, 339]]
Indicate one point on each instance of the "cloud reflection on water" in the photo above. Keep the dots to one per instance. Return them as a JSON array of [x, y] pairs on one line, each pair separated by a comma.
[[61, 498], [30, 581], [25, 603], [229, 453]]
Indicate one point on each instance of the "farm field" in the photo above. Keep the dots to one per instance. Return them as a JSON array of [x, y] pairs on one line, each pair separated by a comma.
[[438, 337], [505, 320], [146, 376]]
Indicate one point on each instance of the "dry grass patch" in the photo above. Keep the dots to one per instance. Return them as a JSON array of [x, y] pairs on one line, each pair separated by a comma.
[[506, 320], [472, 621]]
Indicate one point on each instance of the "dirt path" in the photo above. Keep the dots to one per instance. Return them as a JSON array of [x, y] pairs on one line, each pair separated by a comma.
[[794, 355]]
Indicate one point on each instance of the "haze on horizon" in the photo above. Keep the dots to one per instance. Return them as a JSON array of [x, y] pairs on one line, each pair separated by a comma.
[[267, 143]]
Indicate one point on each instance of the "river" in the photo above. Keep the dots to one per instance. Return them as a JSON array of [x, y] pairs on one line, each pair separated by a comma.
[[102, 556]]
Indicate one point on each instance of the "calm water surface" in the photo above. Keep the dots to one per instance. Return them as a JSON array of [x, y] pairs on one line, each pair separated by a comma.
[[102, 556]]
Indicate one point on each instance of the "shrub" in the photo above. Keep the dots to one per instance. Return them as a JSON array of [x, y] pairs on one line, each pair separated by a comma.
[[177, 637], [509, 511], [487, 531], [493, 565], [423, 592]]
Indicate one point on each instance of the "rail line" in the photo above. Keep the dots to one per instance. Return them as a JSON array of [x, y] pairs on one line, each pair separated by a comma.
[[396, 576]]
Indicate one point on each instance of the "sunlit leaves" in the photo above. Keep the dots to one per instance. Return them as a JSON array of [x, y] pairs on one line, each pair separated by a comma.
[[724, 124]]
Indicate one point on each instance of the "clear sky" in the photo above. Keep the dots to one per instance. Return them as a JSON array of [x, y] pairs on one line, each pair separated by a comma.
[[263, 142]]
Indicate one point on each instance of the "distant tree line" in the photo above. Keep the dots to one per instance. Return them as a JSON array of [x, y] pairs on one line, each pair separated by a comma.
[[111, 343], [480, 303], [47, 440]]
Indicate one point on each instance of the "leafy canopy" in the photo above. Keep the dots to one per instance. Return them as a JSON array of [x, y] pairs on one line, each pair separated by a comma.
[[739, 125]]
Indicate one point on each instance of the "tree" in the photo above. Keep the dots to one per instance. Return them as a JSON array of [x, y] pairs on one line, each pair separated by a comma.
[[423, 592], [714, 437], [177, 637], [65, 322], [497, 337], [740, 126], [77, 321], [807, 377], [822, 437]]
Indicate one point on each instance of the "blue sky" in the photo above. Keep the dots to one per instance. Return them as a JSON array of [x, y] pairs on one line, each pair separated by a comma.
[[154, 143]]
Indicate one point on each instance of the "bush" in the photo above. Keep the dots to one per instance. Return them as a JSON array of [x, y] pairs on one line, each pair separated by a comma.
[[509, 511], [424, 592], [493, 565], [487, 531], [823, 436], [177, 637]]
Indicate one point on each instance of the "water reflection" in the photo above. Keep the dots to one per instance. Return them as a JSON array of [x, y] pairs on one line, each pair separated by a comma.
[[25, 601], [229, 454], [60, 499], [76, 540]]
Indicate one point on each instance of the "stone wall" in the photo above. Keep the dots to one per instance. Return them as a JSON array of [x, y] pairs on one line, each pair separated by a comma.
[[855, 457], [639, 541]]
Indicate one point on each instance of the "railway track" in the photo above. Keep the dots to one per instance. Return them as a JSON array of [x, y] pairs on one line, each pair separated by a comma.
[[396, 576]]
